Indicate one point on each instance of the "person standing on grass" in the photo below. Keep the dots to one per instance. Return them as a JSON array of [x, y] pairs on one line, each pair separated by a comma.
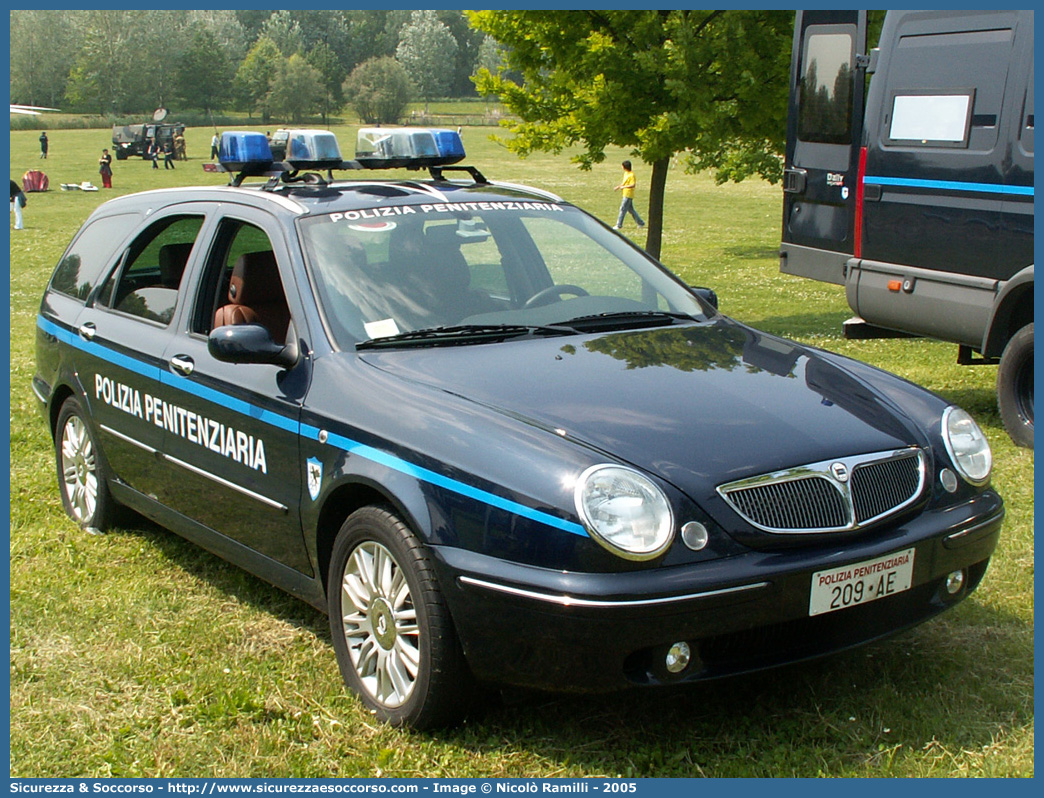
[[168, 155], [17, 203], [43, 145], [105, 169], [153, 153], [214, 140], [627, 203]]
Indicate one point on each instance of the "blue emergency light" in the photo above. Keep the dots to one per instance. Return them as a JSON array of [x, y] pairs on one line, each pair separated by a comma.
[[412, 148], [241, 150], [249, 154]]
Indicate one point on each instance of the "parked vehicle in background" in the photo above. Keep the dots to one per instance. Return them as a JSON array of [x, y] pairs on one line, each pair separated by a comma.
[[132, 140], [920, 200], [278, 143]]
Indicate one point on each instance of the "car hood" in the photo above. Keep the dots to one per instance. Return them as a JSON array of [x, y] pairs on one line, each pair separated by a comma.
[[697, 404]]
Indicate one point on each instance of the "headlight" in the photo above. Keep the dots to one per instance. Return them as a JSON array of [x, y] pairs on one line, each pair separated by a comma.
[[624, 511], [966, 446]]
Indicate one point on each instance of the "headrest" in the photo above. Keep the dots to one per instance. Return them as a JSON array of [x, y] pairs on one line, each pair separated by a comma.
[[172, 259], [442, 235], [255, 279], [444, 261]]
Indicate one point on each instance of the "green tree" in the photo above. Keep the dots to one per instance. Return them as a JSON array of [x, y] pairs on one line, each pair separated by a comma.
[[468, 42], [202, 72], [323, 59], [709, 83], [39, 61], [226, 28], [428, 52], [379, 90], [106, 76], [254, 76], [160, 37], [285, 31], [371, 34], [296, 89]]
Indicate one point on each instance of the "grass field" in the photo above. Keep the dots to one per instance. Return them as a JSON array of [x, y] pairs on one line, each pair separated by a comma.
[[138, 654]]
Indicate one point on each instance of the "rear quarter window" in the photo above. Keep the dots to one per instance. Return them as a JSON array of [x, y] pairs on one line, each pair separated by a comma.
[[92, 250]]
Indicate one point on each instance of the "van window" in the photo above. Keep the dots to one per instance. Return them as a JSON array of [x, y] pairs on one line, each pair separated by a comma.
[[940, 119], [825, 108], [973, 71]]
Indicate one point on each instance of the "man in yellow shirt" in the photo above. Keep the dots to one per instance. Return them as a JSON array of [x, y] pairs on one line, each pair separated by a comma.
[[627, 204]]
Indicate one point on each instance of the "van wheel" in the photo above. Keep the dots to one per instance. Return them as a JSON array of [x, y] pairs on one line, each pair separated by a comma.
[[83, 475], [392, 632], [1015, 387]]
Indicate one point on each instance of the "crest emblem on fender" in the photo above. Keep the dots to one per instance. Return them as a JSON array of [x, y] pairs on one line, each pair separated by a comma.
[[315, 477]]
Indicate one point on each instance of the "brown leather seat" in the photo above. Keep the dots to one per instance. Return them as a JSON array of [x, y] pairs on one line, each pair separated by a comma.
[[255, 296]]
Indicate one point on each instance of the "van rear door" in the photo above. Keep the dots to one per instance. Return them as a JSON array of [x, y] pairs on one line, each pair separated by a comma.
[[824, 132]]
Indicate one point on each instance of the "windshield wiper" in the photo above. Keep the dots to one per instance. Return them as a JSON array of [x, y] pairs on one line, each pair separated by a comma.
[[464, 334], [627, 319]]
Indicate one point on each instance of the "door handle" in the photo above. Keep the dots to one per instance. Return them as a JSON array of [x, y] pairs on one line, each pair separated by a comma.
[[87, 330], [182, 364], [794, 180]]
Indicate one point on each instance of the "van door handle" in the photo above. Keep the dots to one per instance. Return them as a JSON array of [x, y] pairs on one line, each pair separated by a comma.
[[87, 330], [794, 181], [182, 364]]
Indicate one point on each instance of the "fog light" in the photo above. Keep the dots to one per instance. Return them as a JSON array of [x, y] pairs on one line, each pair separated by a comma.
[[954, 582], [678, 657], [694, 535], [948, 480]]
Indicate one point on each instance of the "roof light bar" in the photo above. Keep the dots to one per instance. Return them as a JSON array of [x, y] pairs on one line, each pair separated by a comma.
[[248, 153], [412, 148]]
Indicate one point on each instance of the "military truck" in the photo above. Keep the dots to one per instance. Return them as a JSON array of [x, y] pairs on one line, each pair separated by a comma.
[[129, 140]]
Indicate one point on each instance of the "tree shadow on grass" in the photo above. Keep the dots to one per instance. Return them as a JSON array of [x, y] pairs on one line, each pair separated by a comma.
[[802, 325], [959, 683], [753, 253], [843, 715], [228, 579]]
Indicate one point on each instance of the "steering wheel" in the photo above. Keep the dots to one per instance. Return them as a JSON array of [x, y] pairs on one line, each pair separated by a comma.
[[541, 297]]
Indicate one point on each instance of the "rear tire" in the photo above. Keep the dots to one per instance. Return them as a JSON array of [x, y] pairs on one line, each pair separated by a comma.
[[392, 632], [1015, 387], [83, 474]]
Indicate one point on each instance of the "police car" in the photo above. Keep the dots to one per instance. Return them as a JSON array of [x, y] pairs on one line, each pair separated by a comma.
[[492, 439]]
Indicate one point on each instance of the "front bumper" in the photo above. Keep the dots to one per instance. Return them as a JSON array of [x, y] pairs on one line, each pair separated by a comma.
[[560, 630]]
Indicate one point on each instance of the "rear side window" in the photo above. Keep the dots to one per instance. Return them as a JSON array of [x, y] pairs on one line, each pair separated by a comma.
[[825, 110], [91, 252], [147, 284], [947, 89]]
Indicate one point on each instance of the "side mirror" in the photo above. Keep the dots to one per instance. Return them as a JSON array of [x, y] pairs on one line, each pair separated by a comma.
[[707, 295], [249, 343]]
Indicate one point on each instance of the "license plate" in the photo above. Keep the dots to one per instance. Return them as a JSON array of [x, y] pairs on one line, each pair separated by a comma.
[[861, 582]]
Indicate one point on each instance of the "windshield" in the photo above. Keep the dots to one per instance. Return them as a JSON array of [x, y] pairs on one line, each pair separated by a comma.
[[396, 269]]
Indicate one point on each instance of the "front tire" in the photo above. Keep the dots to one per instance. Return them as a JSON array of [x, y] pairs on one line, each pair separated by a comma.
[[392, 632], [83, 475], [1015, 387]]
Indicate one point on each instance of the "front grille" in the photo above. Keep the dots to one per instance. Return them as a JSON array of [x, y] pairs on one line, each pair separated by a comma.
[[879, 487], [831, 496], [807, 503]]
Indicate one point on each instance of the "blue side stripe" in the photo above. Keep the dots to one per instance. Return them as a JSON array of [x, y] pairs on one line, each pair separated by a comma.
[[949, 185], [425, 475], [304, 430]]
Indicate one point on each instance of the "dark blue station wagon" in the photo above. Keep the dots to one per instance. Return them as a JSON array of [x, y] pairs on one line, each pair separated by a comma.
[[492, 439]]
